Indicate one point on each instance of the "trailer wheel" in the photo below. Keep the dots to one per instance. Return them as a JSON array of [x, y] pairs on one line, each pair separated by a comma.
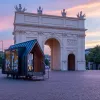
[[30, 77], [13, 76], [7, 75], [26, 77], [16, 76]]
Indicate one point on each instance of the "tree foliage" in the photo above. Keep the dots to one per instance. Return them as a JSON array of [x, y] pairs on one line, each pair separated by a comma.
[[1, 61], [47, 62], [94, 55]]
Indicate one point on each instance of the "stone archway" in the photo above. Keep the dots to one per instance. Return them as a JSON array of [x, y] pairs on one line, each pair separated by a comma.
[[71, 62], [55, 53]]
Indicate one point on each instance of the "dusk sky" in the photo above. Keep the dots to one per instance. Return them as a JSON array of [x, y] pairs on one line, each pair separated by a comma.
[[90, 7]]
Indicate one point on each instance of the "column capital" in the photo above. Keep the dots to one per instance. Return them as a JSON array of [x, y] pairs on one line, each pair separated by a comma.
[[81, 35], [18, 31]]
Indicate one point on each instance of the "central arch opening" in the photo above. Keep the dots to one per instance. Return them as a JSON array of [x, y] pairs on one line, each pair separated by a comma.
[[71, 62], [52, 48]]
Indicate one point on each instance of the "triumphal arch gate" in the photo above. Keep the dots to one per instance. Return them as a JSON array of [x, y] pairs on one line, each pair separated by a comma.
[[64, 35]]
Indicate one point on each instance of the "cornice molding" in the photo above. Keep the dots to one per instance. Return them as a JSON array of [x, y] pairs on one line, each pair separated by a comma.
[[45, 15], [19, 31], [50, 27]]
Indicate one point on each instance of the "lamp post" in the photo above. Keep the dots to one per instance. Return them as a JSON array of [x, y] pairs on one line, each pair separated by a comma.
[[2, 44]]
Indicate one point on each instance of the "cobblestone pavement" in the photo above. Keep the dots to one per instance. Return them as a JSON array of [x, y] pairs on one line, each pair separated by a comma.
[[78, 85]]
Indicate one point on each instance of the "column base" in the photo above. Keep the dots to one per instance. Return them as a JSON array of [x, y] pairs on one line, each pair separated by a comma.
[[81, 65], [64, 66]]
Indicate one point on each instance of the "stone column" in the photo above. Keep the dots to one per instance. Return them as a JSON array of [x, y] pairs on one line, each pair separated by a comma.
[[23, 37], [64, 59], [81, 52], [64, 52]]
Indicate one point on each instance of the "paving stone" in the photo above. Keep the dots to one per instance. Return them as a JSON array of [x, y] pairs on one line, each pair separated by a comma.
[[72, 85]]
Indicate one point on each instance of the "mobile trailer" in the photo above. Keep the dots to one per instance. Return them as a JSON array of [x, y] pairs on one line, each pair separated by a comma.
[[24, 59]]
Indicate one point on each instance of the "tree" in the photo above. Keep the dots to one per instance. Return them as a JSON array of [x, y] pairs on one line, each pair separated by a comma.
[[1, 61], [47, 62], [87, 60], [94, 56]]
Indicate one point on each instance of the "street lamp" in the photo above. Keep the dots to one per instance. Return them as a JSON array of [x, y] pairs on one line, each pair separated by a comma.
[[2, 44]]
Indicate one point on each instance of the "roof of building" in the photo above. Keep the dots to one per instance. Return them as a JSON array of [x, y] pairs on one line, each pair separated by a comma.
[[88, 49], [28, 45]]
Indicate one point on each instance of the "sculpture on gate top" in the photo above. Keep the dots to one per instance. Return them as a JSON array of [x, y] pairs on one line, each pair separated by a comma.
[[20, 9], [80, 15], [39, 10], [63, 13]]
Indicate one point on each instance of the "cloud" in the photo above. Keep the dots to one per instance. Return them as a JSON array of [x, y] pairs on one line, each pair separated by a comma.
[[92, 39], [6, 44], [93, 34], [6, 22], [91, 44], [93, 1], [91, 9]]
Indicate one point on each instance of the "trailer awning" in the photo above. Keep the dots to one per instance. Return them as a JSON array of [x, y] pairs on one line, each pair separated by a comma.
[[28, 45]]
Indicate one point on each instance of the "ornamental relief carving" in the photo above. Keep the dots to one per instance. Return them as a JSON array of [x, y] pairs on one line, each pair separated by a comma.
[[71, 51], [27, 29], [70, 35], [71, 42], [52, 34], [31, 33], [74, 35], [64, 34], [45, 34], [19, 32], [40, 33]]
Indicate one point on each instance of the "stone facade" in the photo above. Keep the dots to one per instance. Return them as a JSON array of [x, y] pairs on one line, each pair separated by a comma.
[[68, 31]]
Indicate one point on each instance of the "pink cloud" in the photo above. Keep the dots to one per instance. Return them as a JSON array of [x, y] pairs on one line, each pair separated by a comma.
[[91, 44], [6, 22], [93, 34], [93, 1], [91, 9], [6, 44]]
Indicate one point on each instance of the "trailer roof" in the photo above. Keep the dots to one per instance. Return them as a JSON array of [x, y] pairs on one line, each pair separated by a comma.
[[28, 46]]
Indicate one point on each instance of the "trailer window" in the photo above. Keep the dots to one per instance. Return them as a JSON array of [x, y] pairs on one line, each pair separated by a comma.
[[30, 62], [7, 61], [14, 60]]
